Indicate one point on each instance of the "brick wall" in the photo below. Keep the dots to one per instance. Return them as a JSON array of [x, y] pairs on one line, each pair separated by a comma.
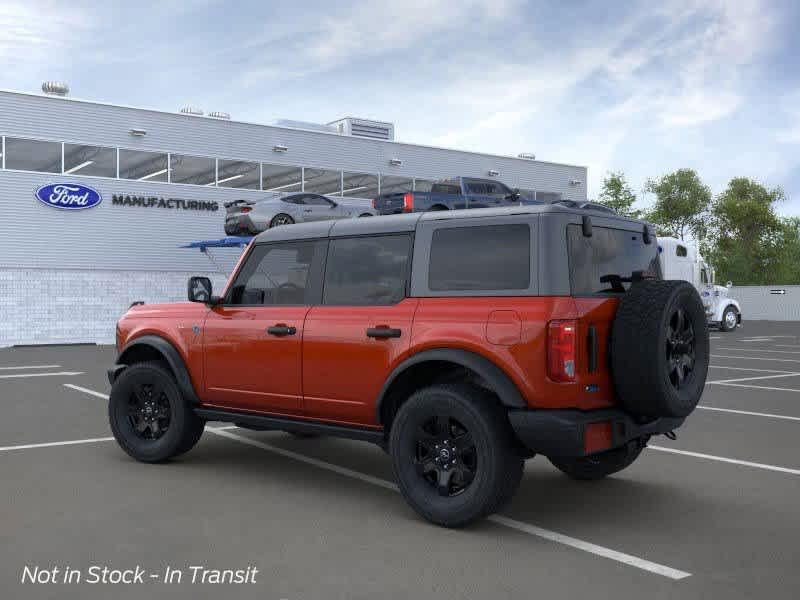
[[41, 306]]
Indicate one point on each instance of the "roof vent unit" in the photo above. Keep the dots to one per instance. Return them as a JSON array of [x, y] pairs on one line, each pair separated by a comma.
[[527, 155], [303, 125], [375, 130], [192, 110], [216, 114], [55, 88]]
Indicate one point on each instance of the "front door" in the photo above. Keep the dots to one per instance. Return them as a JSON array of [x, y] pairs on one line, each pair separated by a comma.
[[352, 340], [252, 341], [319, 208]]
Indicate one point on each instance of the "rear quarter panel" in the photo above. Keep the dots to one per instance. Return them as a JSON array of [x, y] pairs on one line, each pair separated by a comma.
[[463, 323]]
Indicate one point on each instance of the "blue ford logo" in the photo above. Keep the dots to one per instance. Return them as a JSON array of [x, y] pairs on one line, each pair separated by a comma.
[[69, 196]]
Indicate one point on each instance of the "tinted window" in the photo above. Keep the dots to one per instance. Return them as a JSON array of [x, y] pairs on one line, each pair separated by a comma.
[[33, 155], [196, 170], [144, 166], [680, 251], [316, 200], [443, 188], [274, 274], [238, 174], [90, 160], [489, 257], [367, 270], [607, 252]]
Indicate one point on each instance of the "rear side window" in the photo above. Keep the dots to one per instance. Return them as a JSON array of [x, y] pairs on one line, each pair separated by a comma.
[[608, 252], [367, 270], [274, 274], [680, 251], [445, 188], [480, 258]]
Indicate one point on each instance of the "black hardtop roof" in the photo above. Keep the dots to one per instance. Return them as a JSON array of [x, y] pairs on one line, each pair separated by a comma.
[[408, 222]]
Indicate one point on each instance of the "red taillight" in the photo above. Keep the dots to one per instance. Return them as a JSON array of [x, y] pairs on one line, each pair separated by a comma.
[[246, 209], [408, 202], [597, 437], [561, 350], [374, 204]]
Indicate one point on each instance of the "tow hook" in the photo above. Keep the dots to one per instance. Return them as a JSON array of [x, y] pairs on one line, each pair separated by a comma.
[[670, 435]]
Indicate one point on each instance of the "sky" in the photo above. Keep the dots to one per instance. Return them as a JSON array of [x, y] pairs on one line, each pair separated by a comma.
[[639, 87]]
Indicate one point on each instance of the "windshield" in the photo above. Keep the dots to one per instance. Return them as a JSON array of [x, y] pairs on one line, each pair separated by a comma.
[[608, 260]]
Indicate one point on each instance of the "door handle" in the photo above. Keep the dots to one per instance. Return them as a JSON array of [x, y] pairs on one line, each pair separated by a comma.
[[307, 210], [383, 332], [280, 330]]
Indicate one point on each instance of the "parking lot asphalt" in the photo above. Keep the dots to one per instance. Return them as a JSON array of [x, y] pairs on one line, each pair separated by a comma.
[[713, 514]]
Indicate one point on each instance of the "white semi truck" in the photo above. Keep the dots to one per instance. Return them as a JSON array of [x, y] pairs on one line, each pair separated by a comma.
[[682, 260]]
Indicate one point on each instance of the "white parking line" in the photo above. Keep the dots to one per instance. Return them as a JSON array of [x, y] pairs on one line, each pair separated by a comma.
[[747, 369], [51, 444], [761, 387], [20, 375], [86, 391], [30, 367], [553, 536], [734, 461], [760, 350], [752, 378], [792, 360], [749, 413]]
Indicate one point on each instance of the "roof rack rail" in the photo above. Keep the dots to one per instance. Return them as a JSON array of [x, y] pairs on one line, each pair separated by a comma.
[[586, 206]]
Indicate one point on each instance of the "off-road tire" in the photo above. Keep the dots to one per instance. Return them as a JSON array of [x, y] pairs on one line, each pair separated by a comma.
[[723, 324], [498, 468], [598, 466], [645, 343], [184, 429]]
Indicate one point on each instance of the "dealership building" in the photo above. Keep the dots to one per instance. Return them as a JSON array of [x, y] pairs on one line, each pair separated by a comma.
[[158, 181]]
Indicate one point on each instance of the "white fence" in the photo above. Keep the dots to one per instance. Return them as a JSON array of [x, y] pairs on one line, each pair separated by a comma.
[[768, 302]]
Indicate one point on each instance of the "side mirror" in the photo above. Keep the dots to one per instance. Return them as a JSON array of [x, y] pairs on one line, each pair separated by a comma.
[[199, 290], [333, 204], [729, 285]]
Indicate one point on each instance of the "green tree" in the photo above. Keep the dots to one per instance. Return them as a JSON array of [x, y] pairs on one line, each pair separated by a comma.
[[682, 201], [749, 243], [618, 195]]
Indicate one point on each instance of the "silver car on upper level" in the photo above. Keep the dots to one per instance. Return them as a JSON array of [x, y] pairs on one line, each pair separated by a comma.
[[249, 217]]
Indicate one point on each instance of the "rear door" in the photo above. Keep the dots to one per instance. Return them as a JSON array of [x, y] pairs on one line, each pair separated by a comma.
[[364, 323]]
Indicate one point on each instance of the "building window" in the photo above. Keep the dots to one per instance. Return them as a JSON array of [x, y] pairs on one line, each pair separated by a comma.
[[90, 160], [33, 155], [323, 181], [367, 270], [144, 166], [280, 178], [423, 185], [506, 267], [396, 185], [238, 174], [195, 170], [360, 185]]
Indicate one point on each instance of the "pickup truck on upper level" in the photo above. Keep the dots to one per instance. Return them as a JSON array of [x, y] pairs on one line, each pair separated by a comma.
[[449, 194]]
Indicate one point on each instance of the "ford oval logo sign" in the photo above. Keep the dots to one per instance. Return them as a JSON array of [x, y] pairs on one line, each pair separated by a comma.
[[68, 196]]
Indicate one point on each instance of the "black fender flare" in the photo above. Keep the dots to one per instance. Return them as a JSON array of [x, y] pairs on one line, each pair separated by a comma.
[[495, 377], [169, 353]]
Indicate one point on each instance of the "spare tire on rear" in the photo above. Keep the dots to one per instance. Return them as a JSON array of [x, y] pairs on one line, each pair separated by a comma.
[[659, 349]]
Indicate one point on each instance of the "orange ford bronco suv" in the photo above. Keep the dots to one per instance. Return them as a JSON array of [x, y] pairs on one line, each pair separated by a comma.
[[462, 342]]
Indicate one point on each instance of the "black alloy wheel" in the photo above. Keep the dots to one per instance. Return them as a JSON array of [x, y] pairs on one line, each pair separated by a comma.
[[446, 457], [680, 349], [281, 219], [149, 410]]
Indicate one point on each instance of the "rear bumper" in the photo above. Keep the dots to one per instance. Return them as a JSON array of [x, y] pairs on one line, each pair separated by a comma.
[[563, 432]]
